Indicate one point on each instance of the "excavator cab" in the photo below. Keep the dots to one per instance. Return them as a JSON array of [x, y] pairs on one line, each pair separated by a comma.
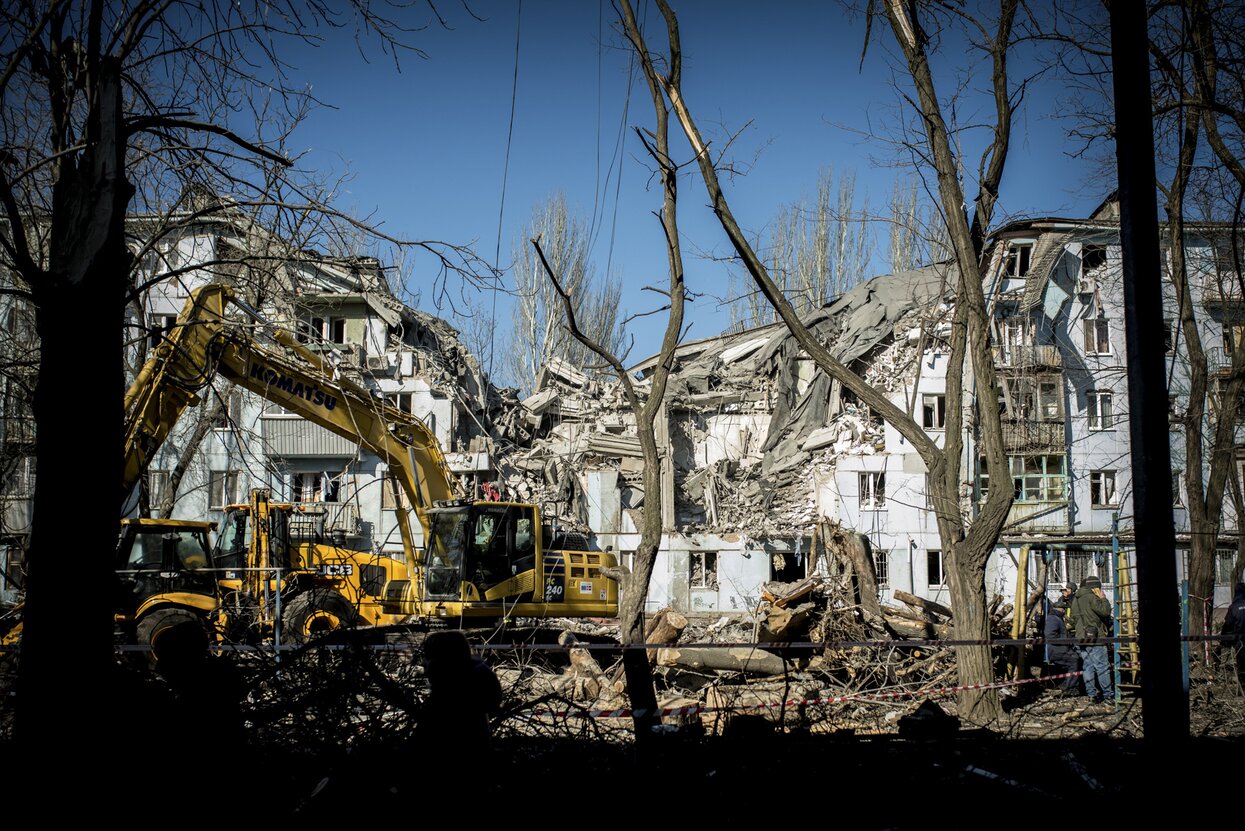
[[481, 551]]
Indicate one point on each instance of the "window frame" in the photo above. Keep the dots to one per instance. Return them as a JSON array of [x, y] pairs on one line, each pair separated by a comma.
[[873, 483], [1095, 419], [223, 489], [934, 562], [934, 411], [708, 579], [1096, 332], [1098, 481]]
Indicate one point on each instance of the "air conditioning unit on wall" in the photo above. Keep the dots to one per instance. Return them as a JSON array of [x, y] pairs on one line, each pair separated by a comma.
[[1086, 285], [377, 363]]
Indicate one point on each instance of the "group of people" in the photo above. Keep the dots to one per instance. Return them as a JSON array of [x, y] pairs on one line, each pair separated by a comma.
[[1080, 612]]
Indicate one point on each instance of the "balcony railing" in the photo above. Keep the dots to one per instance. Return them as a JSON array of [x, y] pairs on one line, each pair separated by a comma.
[[1033, 435], [1028, 356], [325, 518]]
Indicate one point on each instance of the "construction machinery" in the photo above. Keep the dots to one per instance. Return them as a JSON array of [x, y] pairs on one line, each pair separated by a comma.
[[480, 560], [165, 576]]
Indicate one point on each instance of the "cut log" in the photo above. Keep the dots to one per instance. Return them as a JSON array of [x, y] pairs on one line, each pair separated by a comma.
[[914, 629], [737, 659], [791, 593], [923, 604], [665, 628], [759, 701]]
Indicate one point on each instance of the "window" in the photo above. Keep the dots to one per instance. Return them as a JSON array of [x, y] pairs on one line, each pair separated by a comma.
[[934, 574], [1225, 567], [1177, 489], [400, 400], [157, 486], [872, 490], [161, 327], [223, 489], [1169, 336], [1039, 478], [882, 567], [230, 412], [703, 569], [1033, 399], [1098, 407], [1102, 493], [1173, 409], [1018, 256], [314, 328], [1097, 336], [12, 556], [314, 487], [933, 411], [1093, 257], [388, 500], [1017, 331]]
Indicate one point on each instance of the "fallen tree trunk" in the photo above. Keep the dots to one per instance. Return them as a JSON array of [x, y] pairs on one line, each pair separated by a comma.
[[737, 659], [761, 701], [922, 603]]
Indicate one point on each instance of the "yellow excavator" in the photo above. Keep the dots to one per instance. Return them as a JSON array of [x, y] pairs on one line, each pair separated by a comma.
[[481, 560]]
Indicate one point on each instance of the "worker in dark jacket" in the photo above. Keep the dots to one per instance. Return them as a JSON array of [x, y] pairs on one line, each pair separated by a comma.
[[1091, 616], [1234, 624], [1061, 658]]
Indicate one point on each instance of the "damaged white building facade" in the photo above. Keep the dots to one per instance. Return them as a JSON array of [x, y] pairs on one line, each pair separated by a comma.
[[765, 458]]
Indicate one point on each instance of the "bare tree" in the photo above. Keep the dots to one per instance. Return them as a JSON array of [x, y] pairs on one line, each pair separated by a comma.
[[108, 109], [1197, 48], [968, 542], [816, 252], [539, 332]]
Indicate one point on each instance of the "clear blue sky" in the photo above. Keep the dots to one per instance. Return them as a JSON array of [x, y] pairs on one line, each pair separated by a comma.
[[426, 147]]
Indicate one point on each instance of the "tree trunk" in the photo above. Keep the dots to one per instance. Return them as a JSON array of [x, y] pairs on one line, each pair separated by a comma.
[[67, 684]]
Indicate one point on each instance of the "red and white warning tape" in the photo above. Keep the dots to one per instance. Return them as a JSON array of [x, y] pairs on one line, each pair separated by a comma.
[[698, 709]]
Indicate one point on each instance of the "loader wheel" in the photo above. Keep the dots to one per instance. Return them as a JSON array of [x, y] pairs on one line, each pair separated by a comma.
[[172, 634], [316, 612]]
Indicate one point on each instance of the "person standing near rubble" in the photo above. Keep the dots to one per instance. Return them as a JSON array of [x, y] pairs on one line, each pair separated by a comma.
[[1234, 624], [1091, 617], [464, 694], [1061, 658]]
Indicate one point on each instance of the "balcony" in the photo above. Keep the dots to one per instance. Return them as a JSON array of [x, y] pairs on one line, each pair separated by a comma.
[[1033, 435], [325, 518], [1038, 517], [1028, 356], [291, 437]]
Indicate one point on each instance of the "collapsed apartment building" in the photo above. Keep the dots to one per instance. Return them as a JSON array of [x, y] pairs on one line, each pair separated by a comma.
[[768, 464]]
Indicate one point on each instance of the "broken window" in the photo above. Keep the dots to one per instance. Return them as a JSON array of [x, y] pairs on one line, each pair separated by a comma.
[[1097, 336], [933, 411], [872, 490], [1177, 489], [1038, 478], [161, 327], [400, 400], [1018, 257], [317, 329], [1102, 493], [934, 573], [1098, 407], [314, 487], [703, 569], [1169, 336], [1093, 257], [223, 489], [1033, 399]]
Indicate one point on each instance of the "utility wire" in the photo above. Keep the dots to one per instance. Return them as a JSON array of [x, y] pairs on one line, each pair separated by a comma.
[[505, 174]]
